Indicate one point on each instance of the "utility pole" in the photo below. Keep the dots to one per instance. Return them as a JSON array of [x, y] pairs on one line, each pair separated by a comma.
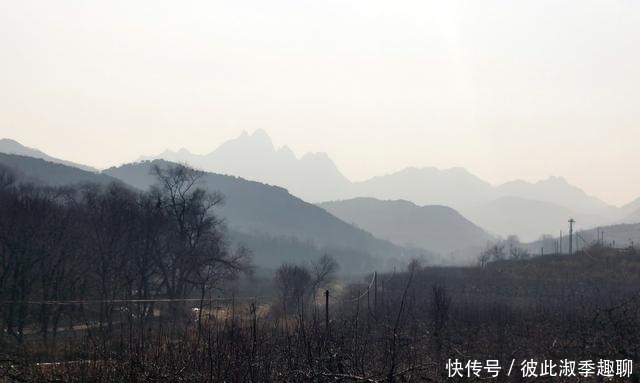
[[560, 241], [571, 222]]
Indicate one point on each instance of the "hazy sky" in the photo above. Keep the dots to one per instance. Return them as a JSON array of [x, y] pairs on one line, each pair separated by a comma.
[[507, 89]]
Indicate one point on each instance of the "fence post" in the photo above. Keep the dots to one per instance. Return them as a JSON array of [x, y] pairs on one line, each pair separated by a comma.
[[254, 328], [326, 309], [375, 292]]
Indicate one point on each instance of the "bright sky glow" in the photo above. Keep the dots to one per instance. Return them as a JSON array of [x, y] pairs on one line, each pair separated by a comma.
[[506, 89]]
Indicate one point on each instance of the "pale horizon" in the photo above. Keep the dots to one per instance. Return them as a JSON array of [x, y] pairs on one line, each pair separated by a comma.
[[507, 91]]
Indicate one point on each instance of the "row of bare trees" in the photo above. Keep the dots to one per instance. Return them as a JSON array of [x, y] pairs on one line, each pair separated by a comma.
[[510, 248], [297, 284], [107, 244]]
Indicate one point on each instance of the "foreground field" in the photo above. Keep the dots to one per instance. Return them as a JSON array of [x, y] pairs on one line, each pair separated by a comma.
[[403, 326]]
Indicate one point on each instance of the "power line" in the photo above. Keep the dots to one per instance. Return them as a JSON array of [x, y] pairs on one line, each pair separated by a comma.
[[95, 301]]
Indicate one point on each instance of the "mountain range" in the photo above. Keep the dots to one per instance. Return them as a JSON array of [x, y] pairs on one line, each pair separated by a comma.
[[313, 177], [528, 209]]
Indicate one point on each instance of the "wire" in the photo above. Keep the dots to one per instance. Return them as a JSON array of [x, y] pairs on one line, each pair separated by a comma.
[[364, 293], [79, 302]]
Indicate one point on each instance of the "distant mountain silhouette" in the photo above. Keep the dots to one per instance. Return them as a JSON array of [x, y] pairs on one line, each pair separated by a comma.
[[262, 210], [517, 207], [509, 208], [254, 157], [629, 213], [555, 190], [438, 228], [632, 217], [9, 146], [454, 187], [526, 218], [49, 173], [313, 177], [632, 206]]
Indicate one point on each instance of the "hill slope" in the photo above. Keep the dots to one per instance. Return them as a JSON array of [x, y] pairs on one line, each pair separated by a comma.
[[437, 228], [278, 227], [255, 208], [49, 173], [9, 146]]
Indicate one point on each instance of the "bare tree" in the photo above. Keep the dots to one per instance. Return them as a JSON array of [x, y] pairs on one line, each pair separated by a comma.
[[414, 265], [512, 242], [292, 281], [497, 251], [519, 253], [198, 254], [324, 270]]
